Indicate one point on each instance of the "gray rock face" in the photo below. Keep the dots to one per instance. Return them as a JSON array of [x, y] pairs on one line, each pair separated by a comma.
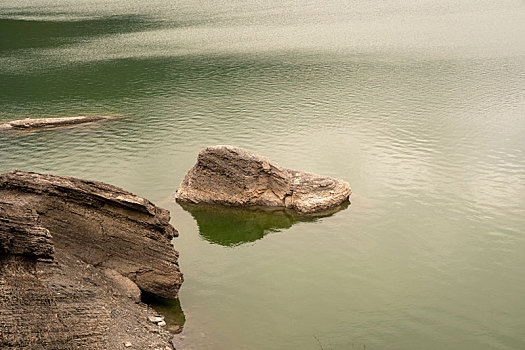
[[233, 176], [42, 123], [100, 224]]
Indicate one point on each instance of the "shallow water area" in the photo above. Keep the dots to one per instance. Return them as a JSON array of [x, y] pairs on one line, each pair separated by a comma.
[[420, 106]]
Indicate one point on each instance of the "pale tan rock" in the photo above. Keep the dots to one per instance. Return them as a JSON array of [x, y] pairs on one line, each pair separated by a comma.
[[234, 176], [155, 319], [123, 284], [44, 123]]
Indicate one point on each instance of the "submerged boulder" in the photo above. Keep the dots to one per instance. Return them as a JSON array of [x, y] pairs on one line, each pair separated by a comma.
[[45, 123], [236, 177]]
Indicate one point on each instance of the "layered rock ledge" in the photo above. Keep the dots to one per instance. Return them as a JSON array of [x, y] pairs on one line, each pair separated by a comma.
[[103, 225], [45, 123], [233, 176], [74, 257]]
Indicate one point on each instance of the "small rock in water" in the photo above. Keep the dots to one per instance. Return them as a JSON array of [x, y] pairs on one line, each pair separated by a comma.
[[127, 344], [156, 319]]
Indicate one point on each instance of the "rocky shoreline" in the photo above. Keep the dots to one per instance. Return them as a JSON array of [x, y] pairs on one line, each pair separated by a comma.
[[74, 257], [77, 255]]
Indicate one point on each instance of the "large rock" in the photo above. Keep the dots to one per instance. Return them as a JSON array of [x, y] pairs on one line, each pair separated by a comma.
[[65, 246], [233, 176], [102, 225]]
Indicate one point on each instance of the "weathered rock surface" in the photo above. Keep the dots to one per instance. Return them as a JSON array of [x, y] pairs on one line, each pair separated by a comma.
[[233, 176], [102, 225], [21, 233], [41, 312], [68, 304], [65, 246], [124, 284], [43, 123]]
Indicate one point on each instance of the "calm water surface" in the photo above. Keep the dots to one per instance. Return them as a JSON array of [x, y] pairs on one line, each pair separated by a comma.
[[420, 105]]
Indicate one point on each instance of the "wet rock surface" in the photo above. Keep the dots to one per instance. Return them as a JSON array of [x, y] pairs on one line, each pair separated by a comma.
[[45, 123], [233, 176], [72, 253]]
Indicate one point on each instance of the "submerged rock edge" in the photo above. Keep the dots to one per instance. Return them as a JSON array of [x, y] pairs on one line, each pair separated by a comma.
[[47, 123]]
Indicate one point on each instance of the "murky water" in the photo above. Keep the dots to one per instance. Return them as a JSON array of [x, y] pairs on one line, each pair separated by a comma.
[[419, 105]]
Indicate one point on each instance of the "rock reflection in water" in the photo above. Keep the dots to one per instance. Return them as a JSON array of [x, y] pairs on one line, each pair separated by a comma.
[[232, 226], [169, 308]]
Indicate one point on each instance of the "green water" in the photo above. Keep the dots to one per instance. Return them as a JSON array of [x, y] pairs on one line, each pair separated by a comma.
[[419, 105]]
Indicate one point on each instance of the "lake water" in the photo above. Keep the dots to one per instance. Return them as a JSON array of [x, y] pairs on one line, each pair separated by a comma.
[[419, 105]]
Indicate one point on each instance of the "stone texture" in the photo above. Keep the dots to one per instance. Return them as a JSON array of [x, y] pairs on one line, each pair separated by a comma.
[[21, 233], [68, 304], [42, 123], [55, 235], [102, 225], [40, 309], [124, 284], [233, 176]]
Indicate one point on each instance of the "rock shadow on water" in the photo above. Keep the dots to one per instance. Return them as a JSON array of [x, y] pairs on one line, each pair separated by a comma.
[[170, 309], [233, 226]]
